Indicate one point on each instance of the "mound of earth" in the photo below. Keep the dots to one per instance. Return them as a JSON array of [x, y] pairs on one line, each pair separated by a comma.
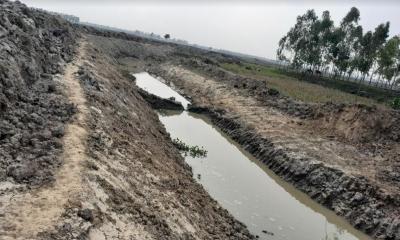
[[360, 123], [34, 47]]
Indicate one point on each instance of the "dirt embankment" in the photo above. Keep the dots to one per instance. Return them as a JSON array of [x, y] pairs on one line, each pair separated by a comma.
[[34, 111], [315, 152], [82, 155], [137, 183], [34, 47], [312, 146], [157, 102], [86, 155]]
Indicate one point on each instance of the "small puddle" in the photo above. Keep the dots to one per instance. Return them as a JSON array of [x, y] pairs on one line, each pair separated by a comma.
[[270, 207]]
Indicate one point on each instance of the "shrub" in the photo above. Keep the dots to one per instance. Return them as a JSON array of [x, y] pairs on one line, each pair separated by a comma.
[[395, 103]]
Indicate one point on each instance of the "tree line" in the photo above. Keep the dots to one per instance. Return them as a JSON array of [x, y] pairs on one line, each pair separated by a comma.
[[345, 51]]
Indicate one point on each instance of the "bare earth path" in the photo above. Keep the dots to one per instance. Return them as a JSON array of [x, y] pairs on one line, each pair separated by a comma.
[[33, 212]]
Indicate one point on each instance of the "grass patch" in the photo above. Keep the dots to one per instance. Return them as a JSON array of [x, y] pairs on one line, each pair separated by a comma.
[[253, 69], [292, 87]]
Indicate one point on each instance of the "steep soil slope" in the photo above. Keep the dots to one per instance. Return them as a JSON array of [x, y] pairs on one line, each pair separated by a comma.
[[82, 155], [33, 47], [343, 156], [34, 211], [137, 186]]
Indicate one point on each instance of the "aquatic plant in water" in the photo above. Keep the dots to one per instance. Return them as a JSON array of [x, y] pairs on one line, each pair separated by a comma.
[[193, 151]]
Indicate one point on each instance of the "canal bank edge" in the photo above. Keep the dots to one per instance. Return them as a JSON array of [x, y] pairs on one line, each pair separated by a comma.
[[157, 102], [355, 199]]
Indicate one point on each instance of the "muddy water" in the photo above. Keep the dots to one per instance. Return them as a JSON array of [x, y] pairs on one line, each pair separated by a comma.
[[154, 86], [270, 207]]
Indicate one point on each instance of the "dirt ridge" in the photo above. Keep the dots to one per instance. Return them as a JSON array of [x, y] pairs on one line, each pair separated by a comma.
[[361, 203], [36, 211], [160, 103]]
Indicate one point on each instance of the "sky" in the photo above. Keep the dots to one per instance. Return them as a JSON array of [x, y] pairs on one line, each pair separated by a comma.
[[252, 27]]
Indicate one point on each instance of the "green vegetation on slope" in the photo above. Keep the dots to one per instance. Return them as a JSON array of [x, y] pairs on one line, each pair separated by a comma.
[[395, 103], [253, 69], [292, 87]]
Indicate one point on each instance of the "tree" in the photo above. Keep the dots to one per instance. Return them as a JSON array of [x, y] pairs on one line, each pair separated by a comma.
[[301, 42], [280, 53], [312, 53], [355, 47], [315, 42], [297, 38], [345, 42], [371, 44], [167, 36], [364, 62], [397, 66], [387, 62], [325, 32]]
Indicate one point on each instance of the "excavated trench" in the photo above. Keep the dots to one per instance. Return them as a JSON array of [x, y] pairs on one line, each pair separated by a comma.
[[270, 207]]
